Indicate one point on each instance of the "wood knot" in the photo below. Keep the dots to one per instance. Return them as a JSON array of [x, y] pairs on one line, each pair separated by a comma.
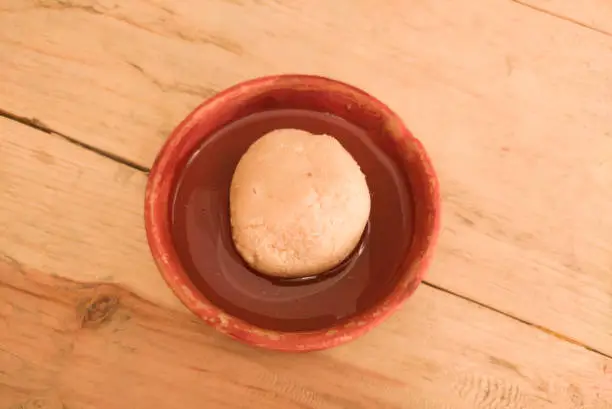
[[97, 310]]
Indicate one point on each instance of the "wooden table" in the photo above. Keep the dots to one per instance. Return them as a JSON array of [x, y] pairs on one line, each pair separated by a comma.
[[513, 99]]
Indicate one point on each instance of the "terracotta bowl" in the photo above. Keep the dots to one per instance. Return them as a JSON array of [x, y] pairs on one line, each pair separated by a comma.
[[384, 129]]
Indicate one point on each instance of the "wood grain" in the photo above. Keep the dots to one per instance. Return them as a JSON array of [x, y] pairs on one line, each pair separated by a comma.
[[593, 14], [72, 213], [78, 345], [513, 105]]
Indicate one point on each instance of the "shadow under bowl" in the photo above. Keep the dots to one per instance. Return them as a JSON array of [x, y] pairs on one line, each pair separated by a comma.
[[187, 214]]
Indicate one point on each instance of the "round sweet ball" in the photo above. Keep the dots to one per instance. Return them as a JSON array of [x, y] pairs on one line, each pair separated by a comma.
[[299, 204]]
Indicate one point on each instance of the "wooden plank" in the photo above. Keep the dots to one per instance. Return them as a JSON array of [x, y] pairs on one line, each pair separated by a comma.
[[513, 105], [593, 14], [72, 213], [79, 346]]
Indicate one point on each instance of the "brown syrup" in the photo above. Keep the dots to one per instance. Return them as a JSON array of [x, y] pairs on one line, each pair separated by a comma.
[[202, 236]]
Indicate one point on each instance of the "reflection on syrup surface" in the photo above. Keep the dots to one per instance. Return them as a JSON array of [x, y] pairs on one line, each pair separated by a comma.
[[202, 234]]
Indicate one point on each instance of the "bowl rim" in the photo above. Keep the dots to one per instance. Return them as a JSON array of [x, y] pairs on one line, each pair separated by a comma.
[[156, 213]]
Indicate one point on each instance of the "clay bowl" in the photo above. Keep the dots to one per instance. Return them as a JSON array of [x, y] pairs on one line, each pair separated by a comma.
[[187, 222]]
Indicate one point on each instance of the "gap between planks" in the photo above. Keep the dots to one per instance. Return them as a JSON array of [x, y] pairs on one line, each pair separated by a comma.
[[41, 126], [562, 17]]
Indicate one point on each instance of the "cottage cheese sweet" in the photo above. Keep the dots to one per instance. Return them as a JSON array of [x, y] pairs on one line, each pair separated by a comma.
[[299, 204]]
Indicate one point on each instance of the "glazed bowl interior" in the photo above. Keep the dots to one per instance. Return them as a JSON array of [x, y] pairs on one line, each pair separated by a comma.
[[402, 228]]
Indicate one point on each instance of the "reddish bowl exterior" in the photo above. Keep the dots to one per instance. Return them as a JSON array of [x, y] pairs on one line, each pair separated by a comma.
[[307, 92]]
